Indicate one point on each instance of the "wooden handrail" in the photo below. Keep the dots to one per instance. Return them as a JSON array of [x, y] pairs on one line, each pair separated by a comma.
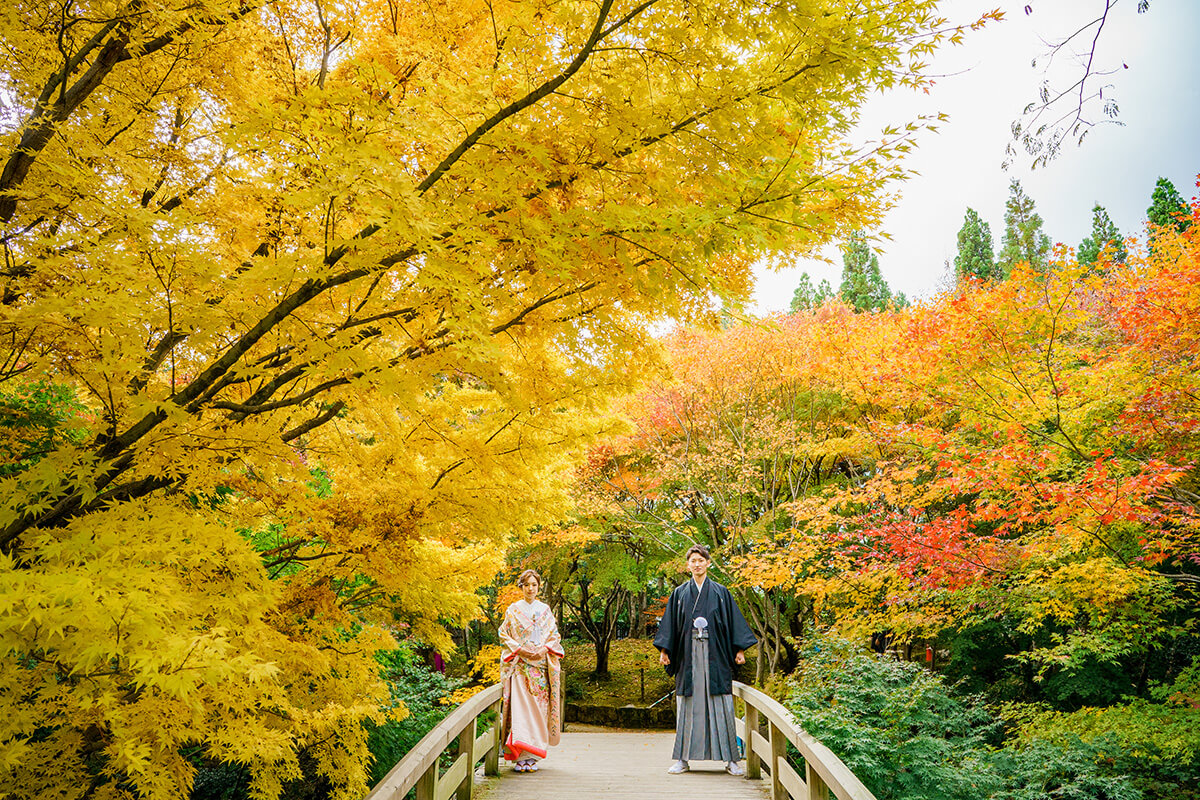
[[824, 771], [419, 767]]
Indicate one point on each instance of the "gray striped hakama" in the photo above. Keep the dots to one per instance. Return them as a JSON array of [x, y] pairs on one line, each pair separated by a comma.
[[704, 728]]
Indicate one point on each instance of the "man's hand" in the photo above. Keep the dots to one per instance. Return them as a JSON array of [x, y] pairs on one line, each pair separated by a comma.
[[740, 657], [663, 658]]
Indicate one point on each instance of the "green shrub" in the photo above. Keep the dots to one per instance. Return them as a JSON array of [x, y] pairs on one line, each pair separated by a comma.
[[1067, 769], [909, 736], [894, 724], [1155, 742], [421, 690]]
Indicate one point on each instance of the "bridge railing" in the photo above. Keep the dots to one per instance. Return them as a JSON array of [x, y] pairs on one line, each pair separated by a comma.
[[823, 771], [420, 766]]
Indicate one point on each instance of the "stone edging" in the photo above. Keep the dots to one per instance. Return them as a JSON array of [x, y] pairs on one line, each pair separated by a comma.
[[661, 717]]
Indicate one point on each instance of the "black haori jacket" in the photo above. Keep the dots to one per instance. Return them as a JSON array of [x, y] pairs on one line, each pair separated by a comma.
[[728, 633]]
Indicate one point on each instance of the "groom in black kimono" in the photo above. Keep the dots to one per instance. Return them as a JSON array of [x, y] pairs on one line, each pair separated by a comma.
[[702, 617]]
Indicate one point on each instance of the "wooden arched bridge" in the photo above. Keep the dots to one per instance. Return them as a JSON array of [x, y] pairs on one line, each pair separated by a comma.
[[615, 766]]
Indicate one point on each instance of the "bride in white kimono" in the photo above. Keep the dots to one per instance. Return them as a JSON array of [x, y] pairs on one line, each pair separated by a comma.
[[529, 672]]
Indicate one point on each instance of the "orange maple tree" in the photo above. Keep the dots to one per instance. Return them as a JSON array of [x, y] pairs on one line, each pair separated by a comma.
[[1038, 451], [1023, 450]]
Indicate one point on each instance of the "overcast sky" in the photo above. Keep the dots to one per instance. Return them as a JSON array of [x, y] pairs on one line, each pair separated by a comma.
[[987, 82]]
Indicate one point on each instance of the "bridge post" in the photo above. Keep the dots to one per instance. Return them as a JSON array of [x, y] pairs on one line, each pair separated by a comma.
[[753, 767], [817, 790], [778, 759], [466, 748], [427, 784], [491, 762]]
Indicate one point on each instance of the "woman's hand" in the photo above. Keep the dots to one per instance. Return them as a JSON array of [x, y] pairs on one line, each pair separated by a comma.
[[663, 658], [740, 657]]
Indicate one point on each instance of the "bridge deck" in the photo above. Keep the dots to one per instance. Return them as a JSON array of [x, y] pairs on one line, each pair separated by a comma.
[[618, 766]]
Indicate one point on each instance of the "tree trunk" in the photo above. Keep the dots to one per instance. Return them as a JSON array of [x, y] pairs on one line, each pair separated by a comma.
[[641, 613], [764, 617], [602, 649]]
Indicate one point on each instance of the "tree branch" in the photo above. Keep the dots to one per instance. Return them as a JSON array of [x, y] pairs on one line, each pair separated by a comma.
[[47, 117]]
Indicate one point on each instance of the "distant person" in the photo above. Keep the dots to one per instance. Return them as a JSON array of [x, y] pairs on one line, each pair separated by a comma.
[[529, 672], [432, 659], [701, 636]]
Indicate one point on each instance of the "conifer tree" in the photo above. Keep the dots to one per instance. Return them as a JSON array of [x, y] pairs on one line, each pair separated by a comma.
[[863, 286], [1024, 240], [807, 297], [1104, 234], [975, 258], [1167, 207]]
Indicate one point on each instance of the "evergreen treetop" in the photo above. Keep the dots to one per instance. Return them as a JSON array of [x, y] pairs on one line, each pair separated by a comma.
[[975, 257], [863, 286], [1167, 207], [1104, 234], [1024, 240], [808, 297]]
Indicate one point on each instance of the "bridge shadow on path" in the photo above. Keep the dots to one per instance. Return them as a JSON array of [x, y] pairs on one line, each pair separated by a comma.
[[607, 765]]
